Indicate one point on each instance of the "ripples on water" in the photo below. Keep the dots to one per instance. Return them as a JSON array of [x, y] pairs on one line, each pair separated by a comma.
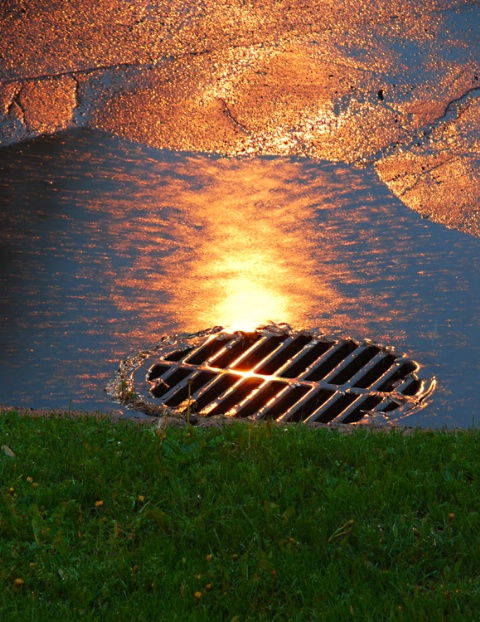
[[107, 245]]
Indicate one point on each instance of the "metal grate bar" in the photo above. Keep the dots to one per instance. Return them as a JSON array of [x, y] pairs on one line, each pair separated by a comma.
[[355, 363], [178, 355], [365, 406], [234, 350], [332, 360], [310, 404], [414, 387], [297, 411], [353, 404], [213, 391], [240, 391], [260, 399], [381, 364], [197, 381], [171, 382], [275, 373], [388, 406], [284, 401], [284, 354], [398, 373], [196, 391], [210, 348], [336, 406], [409, 386], [156, 371], [260, 352], [310, 353]]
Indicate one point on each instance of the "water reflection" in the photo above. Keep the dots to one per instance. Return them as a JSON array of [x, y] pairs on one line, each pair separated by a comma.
[[251, 257], [106, 246]]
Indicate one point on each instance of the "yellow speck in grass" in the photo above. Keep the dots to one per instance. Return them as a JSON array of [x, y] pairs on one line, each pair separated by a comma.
[[141, 498], [208, 587], [451, 516], [34, 485], [29, 479], [19, 582], [198, 595], [98, 504], [11, 491], [209, 557]]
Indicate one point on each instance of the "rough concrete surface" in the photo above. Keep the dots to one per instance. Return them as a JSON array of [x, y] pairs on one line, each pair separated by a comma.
[[393, 85]]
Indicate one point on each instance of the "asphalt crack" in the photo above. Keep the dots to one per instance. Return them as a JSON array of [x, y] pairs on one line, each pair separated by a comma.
[[17, 102], [418, 176], [419, 136], [458, 100], [229, 115], [82, 72], [11, 104]]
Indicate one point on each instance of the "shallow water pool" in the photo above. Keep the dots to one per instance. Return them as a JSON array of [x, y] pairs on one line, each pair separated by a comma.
[[107, 245]]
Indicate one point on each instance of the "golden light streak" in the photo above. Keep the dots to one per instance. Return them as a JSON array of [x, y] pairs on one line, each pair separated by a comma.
[[254, 260], [230, 242]]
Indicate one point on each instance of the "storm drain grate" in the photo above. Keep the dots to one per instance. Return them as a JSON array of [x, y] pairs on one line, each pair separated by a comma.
[[273, 372]]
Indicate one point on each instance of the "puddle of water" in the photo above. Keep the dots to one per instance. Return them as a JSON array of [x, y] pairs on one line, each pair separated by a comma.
[[107, 245]]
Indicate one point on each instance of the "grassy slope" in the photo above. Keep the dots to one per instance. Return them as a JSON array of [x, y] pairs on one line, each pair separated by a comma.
[[112, 521]]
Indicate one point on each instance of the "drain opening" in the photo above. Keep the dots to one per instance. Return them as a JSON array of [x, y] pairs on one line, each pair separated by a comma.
[[365, 406], [234, 351], [324, 367], [299, 366], [273, 372], [308, 408], [355, 365], [236, 396], [170, 383], [335, 407], [178, 355], [377, 371], [264, 396], [261, 352], [217, 388], [288, 349]]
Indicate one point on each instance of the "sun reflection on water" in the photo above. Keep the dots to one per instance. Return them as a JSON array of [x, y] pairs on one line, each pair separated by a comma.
[[248, 302], [123, 245], [252, 259]]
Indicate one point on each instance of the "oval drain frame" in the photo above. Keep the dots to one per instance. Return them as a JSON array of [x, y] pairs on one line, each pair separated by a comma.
[[273, 372]]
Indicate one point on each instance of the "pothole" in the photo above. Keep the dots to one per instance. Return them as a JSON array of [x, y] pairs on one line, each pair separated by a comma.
[[273, 372]]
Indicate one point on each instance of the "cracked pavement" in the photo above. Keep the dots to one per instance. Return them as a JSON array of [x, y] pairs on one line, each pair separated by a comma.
[[395, 86]]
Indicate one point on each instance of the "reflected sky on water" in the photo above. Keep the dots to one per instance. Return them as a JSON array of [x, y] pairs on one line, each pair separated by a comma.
[[108, 245]]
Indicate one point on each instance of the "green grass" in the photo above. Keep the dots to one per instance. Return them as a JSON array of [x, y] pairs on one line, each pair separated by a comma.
[[104, 521]]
